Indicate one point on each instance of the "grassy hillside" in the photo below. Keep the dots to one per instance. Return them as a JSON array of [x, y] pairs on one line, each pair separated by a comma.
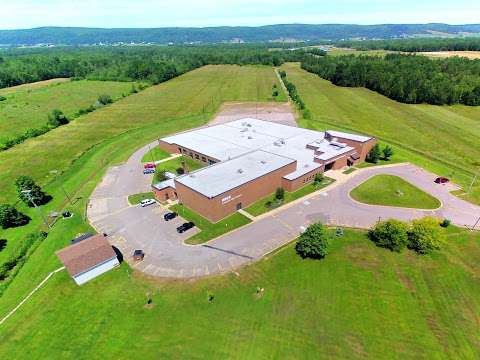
[[63, 157], [360, 302], [443, 139], [26, 109]]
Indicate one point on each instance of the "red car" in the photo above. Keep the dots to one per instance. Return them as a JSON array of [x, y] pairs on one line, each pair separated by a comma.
[[149, 166], [441, 180]]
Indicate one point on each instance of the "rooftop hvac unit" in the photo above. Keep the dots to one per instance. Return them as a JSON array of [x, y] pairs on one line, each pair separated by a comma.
[[244, 129], [263, 162], [250, 137], [240, 171]]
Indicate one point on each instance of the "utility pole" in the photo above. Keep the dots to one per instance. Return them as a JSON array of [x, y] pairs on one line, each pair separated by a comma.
[[29, 195], [471, 184], [476, 223]]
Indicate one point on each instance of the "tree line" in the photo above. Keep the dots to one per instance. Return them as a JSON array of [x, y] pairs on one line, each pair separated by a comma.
[[406, 78], [153, 64], [415, 45]]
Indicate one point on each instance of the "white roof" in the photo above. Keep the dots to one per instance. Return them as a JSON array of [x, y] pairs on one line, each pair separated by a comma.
[[327, 150], [349, 136], [221, 177], [164, 184]]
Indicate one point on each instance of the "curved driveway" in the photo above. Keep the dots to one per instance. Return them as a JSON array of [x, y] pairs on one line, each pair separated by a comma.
[[133, 227]]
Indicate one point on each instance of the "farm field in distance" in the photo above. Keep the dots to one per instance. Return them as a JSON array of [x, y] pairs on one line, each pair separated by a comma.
[[443, 139], [28, 108], [442, 54], [359, 302]]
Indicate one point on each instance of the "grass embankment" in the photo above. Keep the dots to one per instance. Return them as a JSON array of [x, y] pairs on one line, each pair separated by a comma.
[[135, 199], [25, 109], [389, 190], [54, 159], [359, 302], [208, 229], [155, 154], [442, 139], [269, 203]]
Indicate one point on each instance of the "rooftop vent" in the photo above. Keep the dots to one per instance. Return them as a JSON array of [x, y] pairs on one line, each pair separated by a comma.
[[240, 171], [306, 166], [244, 130], [263, 162], [192, 175], [249, 125], [250, 137]]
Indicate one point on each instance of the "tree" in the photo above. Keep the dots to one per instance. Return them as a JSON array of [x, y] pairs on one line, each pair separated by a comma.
[[280, 194], [313, 243], [11, 217], [387, 152], [374, 154], [318, 178], [57, 118], [425, 235], [24, 183], [391, 234], [105, 99]]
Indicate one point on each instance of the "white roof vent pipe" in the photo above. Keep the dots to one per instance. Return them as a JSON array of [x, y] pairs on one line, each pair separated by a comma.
[[240, 171]]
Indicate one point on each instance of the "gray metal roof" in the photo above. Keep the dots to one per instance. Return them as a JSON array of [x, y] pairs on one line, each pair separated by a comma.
[[221, 177], [349, 136]]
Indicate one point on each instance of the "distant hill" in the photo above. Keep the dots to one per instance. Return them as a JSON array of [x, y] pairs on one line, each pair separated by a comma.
[[292, 32]]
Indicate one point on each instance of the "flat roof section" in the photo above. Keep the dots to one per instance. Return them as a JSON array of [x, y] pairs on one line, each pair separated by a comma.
[[244, 137], [348, 136], [221, 177], [214, 148], [267, 128]]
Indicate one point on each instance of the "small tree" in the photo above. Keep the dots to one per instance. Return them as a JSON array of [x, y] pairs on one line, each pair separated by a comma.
[[11, 217], [275, 93], [387, 152], [24, 183], [313, 243], [318, 179], [57, 118], [391, 234], [425, 235], [105, 99], [374, 154], [280, 194]]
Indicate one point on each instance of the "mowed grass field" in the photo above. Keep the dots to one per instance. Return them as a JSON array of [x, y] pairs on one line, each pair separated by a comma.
[[57, 159], [443, 139], [389, 190], [359, 302], [28, 107]]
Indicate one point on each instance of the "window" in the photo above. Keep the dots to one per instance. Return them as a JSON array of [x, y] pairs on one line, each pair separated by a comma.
[[204, 159], [211, 162], [190, 154], [197, 156], [180, 149]]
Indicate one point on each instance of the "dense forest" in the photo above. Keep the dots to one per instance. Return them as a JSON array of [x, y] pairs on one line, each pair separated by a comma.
[[414, 45], [405, 78], [269, 33], [154, 64]]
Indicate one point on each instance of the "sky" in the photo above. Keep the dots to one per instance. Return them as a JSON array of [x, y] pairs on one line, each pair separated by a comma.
[[20, 14]]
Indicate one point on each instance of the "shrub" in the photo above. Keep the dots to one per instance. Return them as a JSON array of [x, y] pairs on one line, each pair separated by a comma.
[[374, 154], [105, 99], [445, 223], [425, 235], [56, 118], [3, 98], [280, 194], [11, 217], [275, 93], [24, 183], [391, 234], [307, 114], [387, 152], [313, 243], [318, 178]]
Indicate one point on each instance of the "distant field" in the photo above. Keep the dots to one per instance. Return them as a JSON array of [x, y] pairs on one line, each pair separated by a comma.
[[28, 107], [347, 51], [360, 302], [443, 139], [444, 54], [32, 86]]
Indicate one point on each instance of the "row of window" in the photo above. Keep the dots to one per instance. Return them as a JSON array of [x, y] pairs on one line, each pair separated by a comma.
[[309, 178], [196, 156]]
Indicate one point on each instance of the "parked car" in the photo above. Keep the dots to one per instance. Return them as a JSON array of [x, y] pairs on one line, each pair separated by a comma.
[[185, 226], [147, 202], [441, 180], [149, 165], [138, 255], [148, 171], [169, 216]]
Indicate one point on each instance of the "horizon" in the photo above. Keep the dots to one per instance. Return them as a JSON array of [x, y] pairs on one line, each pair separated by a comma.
[[145, 14]]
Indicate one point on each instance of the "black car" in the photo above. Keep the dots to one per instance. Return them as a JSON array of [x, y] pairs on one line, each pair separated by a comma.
[[170, 216], [185, 226]]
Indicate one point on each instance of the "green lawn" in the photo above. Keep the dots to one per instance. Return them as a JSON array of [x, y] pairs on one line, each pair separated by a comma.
[[268, 203], [442, 139], [25, 109], [359, 302], [349, 170], [174, 164], [155, 154], [208, 229], [392, 190], [137, 198]]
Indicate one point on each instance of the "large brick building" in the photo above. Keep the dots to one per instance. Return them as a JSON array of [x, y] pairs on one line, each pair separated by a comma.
[[248, 159]]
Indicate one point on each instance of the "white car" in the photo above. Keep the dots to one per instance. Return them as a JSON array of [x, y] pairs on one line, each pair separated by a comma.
[[147, 202]]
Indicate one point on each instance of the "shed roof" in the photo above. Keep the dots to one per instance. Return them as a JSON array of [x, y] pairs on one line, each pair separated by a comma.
[[86, 254]]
